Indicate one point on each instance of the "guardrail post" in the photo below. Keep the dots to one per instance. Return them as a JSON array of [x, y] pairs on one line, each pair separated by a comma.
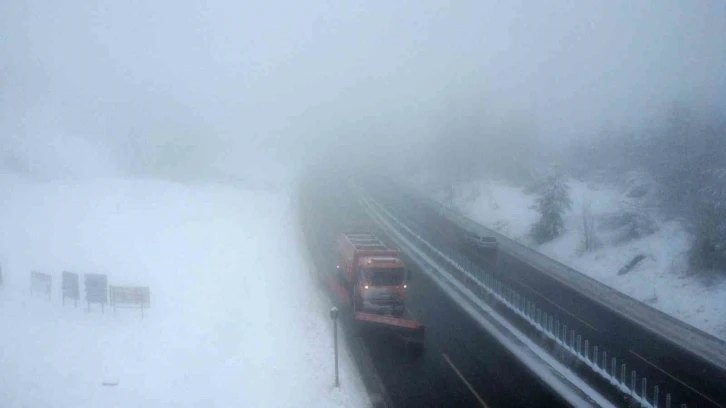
[[632, 383], [655, 397], [579, 344], [550, 325], [594, 356], [557, 330], [668, 401], [644, 389], [564, 334], [572, 339], [605, 362], [613, 369], [622, 374], [587, 350]]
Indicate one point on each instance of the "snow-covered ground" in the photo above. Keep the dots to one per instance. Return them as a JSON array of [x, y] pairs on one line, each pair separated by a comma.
[[235, 317], [661, 279]]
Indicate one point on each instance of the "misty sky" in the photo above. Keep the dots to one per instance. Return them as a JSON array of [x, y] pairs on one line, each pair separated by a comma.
[[179, 86]]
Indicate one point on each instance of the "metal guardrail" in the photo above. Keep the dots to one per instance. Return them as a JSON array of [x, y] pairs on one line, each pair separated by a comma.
[[555, 328]]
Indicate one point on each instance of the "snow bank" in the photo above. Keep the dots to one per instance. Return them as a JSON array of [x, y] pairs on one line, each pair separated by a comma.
[[235, 318], [661, 279]]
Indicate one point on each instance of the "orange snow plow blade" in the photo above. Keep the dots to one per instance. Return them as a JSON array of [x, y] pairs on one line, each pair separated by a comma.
[[409, 330]]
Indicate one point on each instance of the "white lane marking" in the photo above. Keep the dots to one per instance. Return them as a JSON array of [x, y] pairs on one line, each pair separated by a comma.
[[461, 377]]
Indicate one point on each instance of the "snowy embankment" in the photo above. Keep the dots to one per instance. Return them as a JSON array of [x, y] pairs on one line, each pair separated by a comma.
[[235, 317], [660, 279]]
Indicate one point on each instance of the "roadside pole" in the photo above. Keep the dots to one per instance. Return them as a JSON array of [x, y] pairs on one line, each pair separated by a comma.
[[334, 317]]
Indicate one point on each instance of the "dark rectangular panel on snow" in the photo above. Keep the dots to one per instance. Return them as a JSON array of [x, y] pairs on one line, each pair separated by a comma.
[[96, 289], [70, 286]]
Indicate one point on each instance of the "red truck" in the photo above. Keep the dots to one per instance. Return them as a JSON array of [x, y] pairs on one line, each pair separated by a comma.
[[372, 281]]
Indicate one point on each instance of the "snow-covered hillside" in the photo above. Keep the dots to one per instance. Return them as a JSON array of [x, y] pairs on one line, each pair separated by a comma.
[[626, 227], [235, 317]]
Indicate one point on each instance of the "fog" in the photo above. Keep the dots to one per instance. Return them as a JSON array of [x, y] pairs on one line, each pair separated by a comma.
[[258, 91]]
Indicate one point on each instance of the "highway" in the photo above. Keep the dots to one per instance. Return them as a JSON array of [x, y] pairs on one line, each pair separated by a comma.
[[691, 380], [462, 365]]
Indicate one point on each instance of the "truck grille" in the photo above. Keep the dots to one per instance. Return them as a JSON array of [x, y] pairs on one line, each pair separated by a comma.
[[385, 300]]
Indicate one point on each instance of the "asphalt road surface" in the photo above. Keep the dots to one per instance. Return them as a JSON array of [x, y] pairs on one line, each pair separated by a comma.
[[462, 366], [690, 380]]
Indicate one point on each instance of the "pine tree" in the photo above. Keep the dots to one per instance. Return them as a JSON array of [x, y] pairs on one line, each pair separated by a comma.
[[709, 248], [590, 240], [552, 201]]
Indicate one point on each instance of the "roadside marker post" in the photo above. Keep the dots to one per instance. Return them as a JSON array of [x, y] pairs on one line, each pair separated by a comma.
[[334, 317]]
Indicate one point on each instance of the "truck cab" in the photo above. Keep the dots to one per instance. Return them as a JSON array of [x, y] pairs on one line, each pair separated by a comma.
[[381, 285], [374, 274]]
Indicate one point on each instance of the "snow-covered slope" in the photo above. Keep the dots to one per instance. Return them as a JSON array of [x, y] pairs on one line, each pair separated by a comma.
[[235, 317], [661, 279]]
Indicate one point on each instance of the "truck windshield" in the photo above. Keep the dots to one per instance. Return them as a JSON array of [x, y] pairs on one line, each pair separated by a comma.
[[383, 276]]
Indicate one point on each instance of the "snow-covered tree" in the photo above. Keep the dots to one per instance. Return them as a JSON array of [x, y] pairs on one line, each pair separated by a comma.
[[709, 248], [553, 199], [590, 240]]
